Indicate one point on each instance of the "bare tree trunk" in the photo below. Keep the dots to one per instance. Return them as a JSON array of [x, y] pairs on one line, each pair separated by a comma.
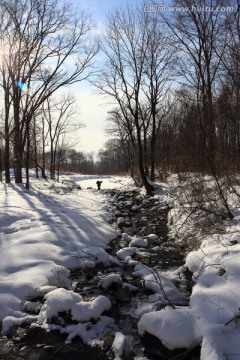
[[7, 157], [1, 158], [52, 162], [27, 156], [153, 145], [149, 188], [35, 147], [6, 127], [43, 169]]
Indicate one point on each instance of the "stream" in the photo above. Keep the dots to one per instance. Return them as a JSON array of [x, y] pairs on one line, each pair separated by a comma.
[[134, 215]]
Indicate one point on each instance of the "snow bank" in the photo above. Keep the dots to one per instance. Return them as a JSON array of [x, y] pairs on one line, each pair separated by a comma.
[[175, 328], [213, 314], [44, 233], [159, 284], [91, 333], [152, 237], [125, 252], [57, 301], [126, 237], [121, 345], [63, 300], [110, 279], [10, 321], [138, 242]]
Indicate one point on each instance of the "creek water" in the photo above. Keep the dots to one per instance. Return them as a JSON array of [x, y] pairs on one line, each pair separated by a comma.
[[140, 216]]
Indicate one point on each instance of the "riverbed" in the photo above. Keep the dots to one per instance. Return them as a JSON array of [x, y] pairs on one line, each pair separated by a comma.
[[136, 217]]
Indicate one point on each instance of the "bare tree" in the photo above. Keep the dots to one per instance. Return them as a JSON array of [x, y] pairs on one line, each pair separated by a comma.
[[125, 49], [111, 158], [134, 76], [5, 83], [45, 47], [231, 57], [122, 128], [198, 35], [200, 38], [158, 71], [59, 115], [230, 92]]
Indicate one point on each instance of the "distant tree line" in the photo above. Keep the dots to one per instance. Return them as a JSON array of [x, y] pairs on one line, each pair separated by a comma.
[[111, 159]]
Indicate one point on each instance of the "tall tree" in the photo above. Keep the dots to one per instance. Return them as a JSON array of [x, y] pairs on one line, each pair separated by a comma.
[[230, 89], [132, 45], [59, 115], [158, 71], [122, 128], [198, 34], [46, 47]]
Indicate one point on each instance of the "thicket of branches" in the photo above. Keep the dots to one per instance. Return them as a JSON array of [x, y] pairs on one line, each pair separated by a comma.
[[175, 78]]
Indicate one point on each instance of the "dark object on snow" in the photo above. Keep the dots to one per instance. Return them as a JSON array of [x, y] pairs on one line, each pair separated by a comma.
[[99, 184]]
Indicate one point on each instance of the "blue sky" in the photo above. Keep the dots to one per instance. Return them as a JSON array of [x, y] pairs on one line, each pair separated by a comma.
[[93, 107], [100, 7]]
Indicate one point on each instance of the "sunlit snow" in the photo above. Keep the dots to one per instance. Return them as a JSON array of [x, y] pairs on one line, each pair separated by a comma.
[[49, 230]]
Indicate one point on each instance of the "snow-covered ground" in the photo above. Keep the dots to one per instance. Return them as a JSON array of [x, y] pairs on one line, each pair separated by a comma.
[[48, 230], [212, 318]]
